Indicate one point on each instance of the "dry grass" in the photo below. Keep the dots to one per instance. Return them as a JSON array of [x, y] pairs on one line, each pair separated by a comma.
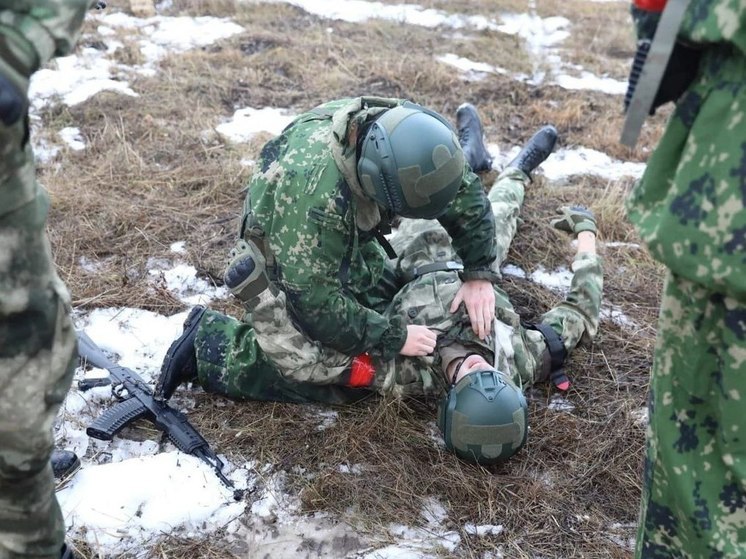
[[152, 175]]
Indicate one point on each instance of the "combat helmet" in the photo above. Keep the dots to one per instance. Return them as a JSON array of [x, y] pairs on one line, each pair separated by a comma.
[[411, 162], [484, 418]]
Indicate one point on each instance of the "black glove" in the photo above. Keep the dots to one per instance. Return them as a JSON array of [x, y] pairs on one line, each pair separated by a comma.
[[12, 102], [575, 219], [680, 72], [677, 77]]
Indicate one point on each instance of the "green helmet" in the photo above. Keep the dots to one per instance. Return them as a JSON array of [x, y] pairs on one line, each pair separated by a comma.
[[484, 418], [411, 162]]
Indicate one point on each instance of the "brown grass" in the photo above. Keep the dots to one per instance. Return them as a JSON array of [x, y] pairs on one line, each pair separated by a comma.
[[152, 176]]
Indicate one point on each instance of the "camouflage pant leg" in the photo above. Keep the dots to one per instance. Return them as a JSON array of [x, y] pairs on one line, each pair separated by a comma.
[[506, 198], [231, 362], [37, 359], [694, 496]]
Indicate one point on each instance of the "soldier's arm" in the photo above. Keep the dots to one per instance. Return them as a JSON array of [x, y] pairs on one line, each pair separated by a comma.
[[32, 32], [334, 318], [313, 276], [577, 316], [471, 225]]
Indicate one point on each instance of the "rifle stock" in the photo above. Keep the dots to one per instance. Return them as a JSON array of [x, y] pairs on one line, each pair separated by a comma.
[[140, 404]]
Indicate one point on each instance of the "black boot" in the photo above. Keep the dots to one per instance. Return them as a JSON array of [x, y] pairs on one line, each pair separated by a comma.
[[536, 150], [64, 463], [180, 364], [471, 138]]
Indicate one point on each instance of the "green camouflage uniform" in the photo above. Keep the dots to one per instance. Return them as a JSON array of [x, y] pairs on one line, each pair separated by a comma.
[[268, 358], [37, 340], [689, 209], [320, 227]]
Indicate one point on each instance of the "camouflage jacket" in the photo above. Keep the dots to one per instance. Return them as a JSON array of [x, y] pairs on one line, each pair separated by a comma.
[[690, 205], [320, 228], [31, 33]]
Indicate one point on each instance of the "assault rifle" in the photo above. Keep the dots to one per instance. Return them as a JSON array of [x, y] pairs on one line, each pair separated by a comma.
[[139, 403]]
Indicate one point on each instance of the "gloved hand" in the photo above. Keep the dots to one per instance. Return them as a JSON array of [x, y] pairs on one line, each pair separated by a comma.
[[246, 275], [12, 102], [575, 219]]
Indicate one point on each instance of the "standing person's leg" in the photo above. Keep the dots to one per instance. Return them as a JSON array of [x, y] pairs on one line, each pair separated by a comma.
[[37, 359], [694, 496]]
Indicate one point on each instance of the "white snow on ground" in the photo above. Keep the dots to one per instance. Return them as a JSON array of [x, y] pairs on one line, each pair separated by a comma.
[[615, 314], [561, 404], [567, 162], [558, 280], [471, 71], [146, 496], [587, 80], [248, 122], [584, 161], [176, 493], [75, 79], [72, 137], [412, 14]]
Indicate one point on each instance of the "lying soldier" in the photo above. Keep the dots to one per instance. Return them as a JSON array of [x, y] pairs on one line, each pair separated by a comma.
[[482, 414]]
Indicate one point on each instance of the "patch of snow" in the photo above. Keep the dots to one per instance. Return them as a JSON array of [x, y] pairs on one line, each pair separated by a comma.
[[513, 270], [590, 81], [615, 314], [485, 530], [640, 417], [73, 138], [584, 161], [178, 247], [246, 123], [328, 419], [559, 280], [359, 10], [560, 404], [146, 496], [183, 282]]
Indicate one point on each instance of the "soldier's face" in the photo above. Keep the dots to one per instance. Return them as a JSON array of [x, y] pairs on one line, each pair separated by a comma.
[[471, 364]]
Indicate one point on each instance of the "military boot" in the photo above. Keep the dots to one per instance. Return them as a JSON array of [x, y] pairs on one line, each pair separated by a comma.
[[246, 275], [64, 463], [536, 150], [471, 138], [180, 364]]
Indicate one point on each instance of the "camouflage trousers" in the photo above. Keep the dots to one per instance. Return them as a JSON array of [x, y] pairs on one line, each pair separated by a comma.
[[694, 496], [37, 350]]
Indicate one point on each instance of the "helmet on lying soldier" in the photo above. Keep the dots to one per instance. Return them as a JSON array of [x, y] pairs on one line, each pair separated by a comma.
[[484, 418], [411, 162]]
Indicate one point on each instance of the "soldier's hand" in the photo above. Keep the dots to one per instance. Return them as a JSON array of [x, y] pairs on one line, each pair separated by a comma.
[[12, 102], [420, 341], [574, 219], [478, 297]]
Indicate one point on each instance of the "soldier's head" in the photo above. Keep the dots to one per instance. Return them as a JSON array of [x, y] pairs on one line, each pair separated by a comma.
[[484, 415], [410, 162]]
